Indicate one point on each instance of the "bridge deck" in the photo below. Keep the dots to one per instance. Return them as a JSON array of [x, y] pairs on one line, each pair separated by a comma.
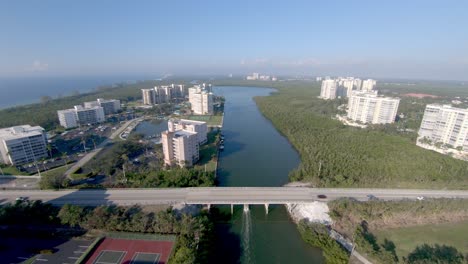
[[221, 195]]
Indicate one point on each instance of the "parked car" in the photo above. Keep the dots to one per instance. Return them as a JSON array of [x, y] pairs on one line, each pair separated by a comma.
[[22, 198]]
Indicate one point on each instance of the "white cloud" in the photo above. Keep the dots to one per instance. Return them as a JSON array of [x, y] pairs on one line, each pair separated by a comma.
[[38, 66]]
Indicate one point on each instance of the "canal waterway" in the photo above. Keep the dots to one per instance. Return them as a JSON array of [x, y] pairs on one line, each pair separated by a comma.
[[256, 154]]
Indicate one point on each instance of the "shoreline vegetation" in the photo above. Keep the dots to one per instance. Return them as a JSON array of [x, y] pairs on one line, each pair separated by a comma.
[[332, 155], [331, 151], [335, 155]]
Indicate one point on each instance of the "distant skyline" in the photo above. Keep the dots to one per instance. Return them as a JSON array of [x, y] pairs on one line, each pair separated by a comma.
[[397, 39]]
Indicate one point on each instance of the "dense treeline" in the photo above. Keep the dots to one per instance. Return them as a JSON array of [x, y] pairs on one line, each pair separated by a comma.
[[336, 155], [175, 177], [435, 254], [193, 232], [317, 235]]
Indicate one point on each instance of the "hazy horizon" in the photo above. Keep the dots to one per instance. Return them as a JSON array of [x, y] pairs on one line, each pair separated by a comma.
[[419, 40]]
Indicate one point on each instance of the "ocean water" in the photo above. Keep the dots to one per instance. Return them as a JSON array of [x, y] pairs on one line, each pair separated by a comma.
[[20, 91]]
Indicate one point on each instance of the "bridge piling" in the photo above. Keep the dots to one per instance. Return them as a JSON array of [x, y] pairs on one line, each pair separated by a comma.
[[246, 207], [266, 208], [232, 209], [208, 206]]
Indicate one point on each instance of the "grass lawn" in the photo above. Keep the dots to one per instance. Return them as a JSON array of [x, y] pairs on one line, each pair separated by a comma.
[[59, 171], [207, 151], [211, 120], [12, 171], [406, 239]]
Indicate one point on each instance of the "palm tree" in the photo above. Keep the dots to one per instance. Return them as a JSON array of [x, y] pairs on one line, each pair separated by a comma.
[[124, 157], [49, 149]]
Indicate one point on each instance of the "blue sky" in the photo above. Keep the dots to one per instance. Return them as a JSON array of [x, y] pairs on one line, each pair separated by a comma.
[[405, 39]]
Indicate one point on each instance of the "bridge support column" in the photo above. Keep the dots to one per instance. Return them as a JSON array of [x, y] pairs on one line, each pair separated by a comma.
[[246, 207], [232, 209], [208, 206], [266, 208]]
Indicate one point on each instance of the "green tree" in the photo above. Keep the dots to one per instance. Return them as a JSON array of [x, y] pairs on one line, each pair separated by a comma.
[[437, 254], [71, 215]]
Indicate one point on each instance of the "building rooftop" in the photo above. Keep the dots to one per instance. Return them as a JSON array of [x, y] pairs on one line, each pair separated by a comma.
[[187, 121], [20, 131], [183, 133], [66, 110]]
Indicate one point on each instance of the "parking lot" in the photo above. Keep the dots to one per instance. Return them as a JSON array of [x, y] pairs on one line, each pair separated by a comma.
[[62, 251]]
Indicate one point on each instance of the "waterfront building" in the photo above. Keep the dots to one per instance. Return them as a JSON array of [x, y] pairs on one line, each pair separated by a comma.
[[68, 118], [445, 124], [22, 144], [201, 100], [368, 107], [198, 127], [180, 148]]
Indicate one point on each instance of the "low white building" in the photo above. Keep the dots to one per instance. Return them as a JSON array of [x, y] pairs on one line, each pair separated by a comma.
[[22, 144], [368, 107]]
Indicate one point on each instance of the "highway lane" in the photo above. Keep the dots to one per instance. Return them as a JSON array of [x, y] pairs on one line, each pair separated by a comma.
[[222, 195]]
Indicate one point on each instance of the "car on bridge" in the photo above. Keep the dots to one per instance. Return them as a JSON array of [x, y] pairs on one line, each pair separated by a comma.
[[322, 196]]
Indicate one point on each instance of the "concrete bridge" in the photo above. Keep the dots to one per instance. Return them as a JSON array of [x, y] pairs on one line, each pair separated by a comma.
[[224, 195]]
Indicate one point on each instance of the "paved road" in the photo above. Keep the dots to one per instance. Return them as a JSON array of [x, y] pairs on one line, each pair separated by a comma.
[[100, 147], [221, 195]]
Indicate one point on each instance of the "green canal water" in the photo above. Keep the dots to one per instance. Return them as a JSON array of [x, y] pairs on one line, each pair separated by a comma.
[[256, 154]]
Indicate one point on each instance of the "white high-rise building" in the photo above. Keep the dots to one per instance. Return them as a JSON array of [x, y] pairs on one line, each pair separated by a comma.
[[357, 84], [164, 94], [149, 96], [198, 127], [445, 124], [22, 144], [110, 106], [80, 115], [329, 89], [347, 86], [180, 147], [367, 107], [68, 118], [201, 101], [91, 115], [368, 85]]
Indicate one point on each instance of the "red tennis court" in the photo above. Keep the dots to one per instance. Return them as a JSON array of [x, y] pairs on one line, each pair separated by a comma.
[[130, 251]]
